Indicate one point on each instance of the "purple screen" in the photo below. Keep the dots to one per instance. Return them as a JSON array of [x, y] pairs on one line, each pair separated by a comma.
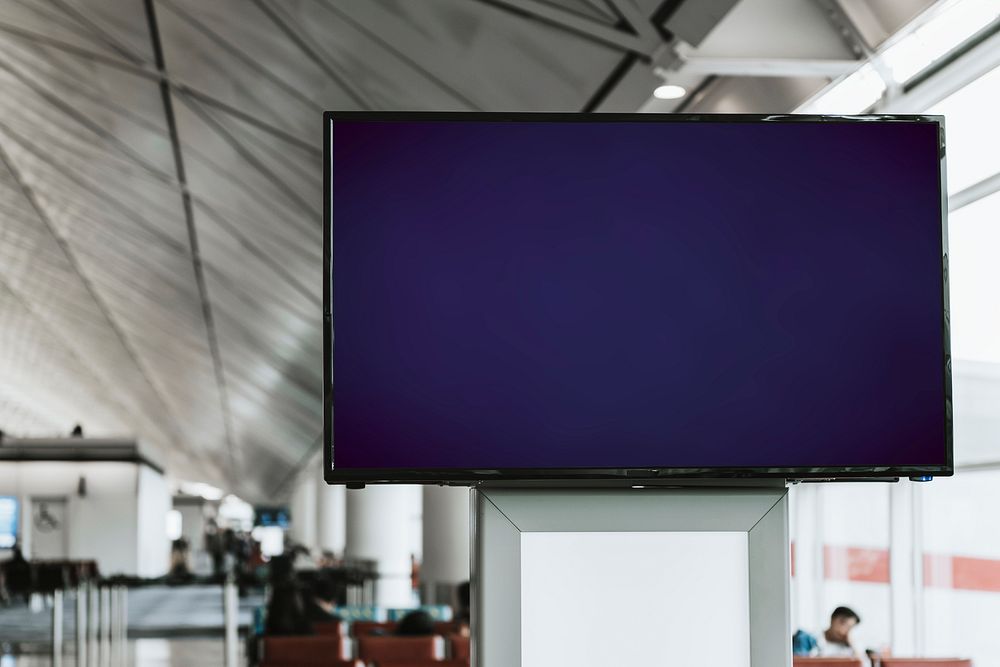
[[636, 294]]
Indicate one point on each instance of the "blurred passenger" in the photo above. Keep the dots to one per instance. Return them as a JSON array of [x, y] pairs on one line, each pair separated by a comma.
[[415, 623], [179, 572], [327, 559], [286, 612], [17, 575], [414, 572], [321, 601], [463, 613], [834, 642], [229, 548], [215, 546], [301, 558]]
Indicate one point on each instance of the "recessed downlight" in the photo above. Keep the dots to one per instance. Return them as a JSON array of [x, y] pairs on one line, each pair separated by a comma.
[[669, 92]]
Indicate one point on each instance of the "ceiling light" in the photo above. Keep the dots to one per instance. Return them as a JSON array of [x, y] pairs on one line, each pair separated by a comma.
[[669, 92], [206, 491]]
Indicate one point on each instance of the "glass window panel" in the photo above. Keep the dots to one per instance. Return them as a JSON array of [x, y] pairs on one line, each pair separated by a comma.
[[840, 536], [961, 545], [974, 244], [972, 131]]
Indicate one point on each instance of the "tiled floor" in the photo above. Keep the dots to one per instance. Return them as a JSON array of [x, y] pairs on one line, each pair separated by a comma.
[[141, 653]]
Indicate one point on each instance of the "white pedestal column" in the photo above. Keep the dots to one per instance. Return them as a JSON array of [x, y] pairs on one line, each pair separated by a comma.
[[905, 570], [445, 541], [378, 519], [303, 509], [331, 517], [810, 610]]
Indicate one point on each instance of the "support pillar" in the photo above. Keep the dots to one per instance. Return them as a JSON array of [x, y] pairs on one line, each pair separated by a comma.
[[331, 518], [303, 509], [445, 542], [378, 530]]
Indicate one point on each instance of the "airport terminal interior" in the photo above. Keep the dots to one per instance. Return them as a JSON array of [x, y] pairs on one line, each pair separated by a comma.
[[162, 490]]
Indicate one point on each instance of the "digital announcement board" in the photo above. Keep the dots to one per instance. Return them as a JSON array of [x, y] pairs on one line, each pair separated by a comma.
[[558, 296]]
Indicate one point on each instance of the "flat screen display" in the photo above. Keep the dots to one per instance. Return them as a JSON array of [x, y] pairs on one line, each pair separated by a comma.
[[271, 516], [557, 296]]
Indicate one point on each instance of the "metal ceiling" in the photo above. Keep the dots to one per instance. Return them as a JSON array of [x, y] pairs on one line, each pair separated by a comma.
[[160, 201]]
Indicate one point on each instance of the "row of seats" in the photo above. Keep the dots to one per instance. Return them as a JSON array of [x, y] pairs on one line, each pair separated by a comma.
[[884, 662], [320, 650], [366, 628], [336, 650], [361, 663]]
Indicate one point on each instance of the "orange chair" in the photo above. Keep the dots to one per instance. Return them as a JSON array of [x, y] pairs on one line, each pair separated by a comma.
[[798, 661], [313, 649], [327, 628], [365, 628], [400, 649], [446, 627], [460, 648], [925, 662]]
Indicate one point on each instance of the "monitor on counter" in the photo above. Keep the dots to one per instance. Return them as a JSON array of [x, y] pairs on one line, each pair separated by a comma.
[[640, 296]]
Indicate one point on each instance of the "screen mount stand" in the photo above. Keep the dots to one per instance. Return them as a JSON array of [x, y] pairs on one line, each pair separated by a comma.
[[502, 514]]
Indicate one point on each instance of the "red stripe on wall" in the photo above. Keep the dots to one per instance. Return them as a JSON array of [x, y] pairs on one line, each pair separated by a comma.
[[940, 571], [962, 573], [856, 564]]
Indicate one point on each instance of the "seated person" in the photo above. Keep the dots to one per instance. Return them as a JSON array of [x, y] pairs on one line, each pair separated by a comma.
[[286, 614], [463, 615], [834, 642], [416, 623], [321, 601]]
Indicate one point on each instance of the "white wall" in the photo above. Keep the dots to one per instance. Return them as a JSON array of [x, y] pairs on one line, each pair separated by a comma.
[[193, 521], [104, 525], [152, 506]]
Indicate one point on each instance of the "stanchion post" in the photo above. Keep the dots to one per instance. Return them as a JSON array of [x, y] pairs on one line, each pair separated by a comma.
[[113, 630], [105, 626], [57, 628], [94, 622], [230, 611], [81, 625], [123, 610]]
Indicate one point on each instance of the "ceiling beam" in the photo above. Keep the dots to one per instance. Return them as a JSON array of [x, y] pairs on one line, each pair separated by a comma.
[[192, 230], [564, 19], [984, 188], [304, 43], [89, 286], [808, 67], [150, 73], [629, 14]]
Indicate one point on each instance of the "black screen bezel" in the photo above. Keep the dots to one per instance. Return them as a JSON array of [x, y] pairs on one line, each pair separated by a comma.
[[470, 476]]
